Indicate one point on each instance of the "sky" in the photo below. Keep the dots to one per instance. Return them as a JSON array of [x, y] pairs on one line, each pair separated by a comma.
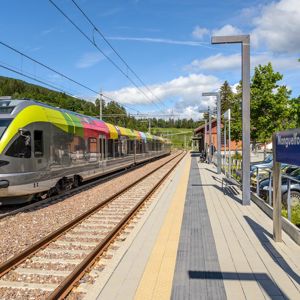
[[166, 43]]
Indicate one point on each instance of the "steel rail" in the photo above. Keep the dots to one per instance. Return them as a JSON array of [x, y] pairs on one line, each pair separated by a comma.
[[67, 285], [85, 185], [17, 259]]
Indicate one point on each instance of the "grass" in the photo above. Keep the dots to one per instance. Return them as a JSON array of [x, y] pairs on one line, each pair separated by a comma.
[[295, 214], [174, 134]]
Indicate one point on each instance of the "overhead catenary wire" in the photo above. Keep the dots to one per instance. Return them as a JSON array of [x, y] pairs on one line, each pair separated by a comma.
[[102, 52], [115, 51], [58, 87], [111, 99], [41, 81], [45, 66], [54, 71], [35, 79]]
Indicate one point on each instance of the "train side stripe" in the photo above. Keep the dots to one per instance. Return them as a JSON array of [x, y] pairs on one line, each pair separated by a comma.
[[32, 114]]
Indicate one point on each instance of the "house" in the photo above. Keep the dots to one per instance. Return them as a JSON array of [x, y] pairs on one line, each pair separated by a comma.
[[202, 140]]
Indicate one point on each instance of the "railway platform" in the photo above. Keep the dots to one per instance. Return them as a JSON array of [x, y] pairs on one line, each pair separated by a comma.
[[198, 242]]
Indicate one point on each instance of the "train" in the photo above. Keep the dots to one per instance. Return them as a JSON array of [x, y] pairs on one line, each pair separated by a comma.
[[46, 150]]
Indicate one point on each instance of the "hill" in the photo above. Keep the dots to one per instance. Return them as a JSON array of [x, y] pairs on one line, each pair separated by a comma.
[[178, 136], [20, 89]]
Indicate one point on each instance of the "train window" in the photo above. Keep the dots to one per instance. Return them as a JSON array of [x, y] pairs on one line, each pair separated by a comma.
[[110, 148], [92, 145], [38, 143], [130, 147], [3, 125], [21, 147], [117, 148], [102, 151]]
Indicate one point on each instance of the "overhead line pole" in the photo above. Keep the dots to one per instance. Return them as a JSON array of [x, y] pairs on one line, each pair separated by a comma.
[[52, 70], [115, 51], [100, 105]]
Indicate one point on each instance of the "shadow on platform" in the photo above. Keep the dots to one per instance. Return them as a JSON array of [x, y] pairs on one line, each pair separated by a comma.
[[207, 169], [227, 191], [262, 235], [262, 279]]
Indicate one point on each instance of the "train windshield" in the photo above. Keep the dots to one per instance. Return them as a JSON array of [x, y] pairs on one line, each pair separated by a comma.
[[3, 125]]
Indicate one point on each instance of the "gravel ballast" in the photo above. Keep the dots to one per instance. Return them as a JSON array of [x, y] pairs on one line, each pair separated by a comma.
[[22, 230]]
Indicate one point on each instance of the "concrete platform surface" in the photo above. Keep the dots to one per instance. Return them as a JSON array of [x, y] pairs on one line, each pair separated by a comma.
[[201, 243]]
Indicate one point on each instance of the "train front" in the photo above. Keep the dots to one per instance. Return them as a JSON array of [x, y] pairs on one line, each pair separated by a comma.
[[9, 166]]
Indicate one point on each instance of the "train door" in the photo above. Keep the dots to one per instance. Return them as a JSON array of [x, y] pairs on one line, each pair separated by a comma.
[[103, 147], [39, 150]]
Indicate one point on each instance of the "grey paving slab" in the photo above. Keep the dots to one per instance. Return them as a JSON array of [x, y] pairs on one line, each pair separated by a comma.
[[197, 273]]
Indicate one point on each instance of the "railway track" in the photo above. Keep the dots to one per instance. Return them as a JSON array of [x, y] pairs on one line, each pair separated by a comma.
[[51, 267], [6, 211]]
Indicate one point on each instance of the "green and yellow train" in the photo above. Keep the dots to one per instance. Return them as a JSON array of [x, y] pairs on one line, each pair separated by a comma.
[[45, 150]]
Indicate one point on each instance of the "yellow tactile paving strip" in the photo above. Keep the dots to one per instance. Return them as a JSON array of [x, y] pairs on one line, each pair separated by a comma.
[[156, 282]]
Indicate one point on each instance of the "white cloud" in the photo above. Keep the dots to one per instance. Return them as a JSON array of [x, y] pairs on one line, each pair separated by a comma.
[[47, 31], [278, 26], [89, 59], [199, 32], [185, 91], [227, 30], [156, 40], [215, 63], [220, 62]]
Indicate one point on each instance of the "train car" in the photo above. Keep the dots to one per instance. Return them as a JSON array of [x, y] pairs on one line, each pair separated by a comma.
[[45, 150]]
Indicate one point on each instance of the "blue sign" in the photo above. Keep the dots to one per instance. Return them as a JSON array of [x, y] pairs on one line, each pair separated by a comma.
[[288, 147]]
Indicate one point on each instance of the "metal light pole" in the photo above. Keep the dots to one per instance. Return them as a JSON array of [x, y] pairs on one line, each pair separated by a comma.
[[100, 106], [205, 132], [210, 139], [225, 147], [227, 117], [244, 40], [217, 94], [229, 143]]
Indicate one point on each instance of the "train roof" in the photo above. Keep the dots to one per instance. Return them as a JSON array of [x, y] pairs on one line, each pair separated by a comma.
[[10, 108]]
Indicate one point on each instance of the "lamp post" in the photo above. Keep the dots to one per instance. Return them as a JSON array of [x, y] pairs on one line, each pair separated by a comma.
[[225, 148], [244, 40], [209, 137], [217, 94], [205, 133], [227, 117]]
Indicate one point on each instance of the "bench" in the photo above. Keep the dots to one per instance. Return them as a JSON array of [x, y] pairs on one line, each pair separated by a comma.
[[231, 183]]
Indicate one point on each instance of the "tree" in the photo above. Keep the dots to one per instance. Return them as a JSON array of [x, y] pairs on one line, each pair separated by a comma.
[[270, 109], [295, 108], [236, 114], [227, 97]]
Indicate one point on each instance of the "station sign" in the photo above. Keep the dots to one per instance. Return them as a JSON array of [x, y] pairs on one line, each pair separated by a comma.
[[288, 147]]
